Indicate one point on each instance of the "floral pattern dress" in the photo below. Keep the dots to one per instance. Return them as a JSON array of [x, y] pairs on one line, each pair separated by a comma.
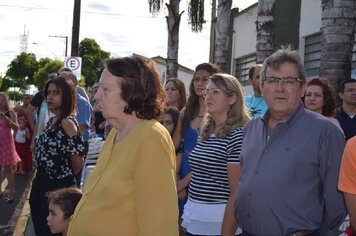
[[54, 149]]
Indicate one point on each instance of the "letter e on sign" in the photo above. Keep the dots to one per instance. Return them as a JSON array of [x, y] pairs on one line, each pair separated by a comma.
[[75, 64]]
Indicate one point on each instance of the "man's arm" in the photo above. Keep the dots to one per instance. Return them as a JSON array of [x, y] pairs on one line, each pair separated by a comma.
[[347, 179], [331, 147]]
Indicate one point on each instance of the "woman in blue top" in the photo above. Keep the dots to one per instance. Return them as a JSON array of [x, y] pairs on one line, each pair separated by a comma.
[[189, 124], [59, 150]]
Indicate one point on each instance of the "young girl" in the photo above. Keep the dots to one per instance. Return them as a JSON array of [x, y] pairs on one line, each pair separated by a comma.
[[59, 150], [22, 138], [62, 203], [8, 155], [170, 119]]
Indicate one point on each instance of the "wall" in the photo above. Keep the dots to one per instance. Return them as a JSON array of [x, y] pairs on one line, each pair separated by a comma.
[[244, 32], [310, 21]]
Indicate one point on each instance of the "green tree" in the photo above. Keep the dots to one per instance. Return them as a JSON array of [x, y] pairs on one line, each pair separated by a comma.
[[92, 60], [47, 65], [5, 83], [22, 69]]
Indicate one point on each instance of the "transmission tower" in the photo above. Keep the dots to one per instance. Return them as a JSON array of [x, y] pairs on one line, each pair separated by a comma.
[[24, 41]]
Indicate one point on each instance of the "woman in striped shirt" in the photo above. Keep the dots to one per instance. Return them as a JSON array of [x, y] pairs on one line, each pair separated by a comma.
[[215, 160]]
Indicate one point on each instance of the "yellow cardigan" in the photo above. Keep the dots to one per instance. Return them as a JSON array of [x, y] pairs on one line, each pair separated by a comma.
[[132, 189]]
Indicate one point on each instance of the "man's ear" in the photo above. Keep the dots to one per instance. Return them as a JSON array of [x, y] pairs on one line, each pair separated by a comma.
[[261, 85], [304, 89], [249, 81], [341, 95]]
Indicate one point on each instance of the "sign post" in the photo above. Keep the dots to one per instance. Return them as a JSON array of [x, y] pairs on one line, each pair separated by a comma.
[[75, 64]]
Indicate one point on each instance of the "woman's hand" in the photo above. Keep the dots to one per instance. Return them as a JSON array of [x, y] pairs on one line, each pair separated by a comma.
[[182, 195]]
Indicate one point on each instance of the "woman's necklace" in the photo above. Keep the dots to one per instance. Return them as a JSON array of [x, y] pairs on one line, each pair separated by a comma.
[[200, 116]]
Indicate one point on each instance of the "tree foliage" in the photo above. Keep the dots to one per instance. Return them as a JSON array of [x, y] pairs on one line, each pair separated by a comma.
[[47, 65], [22, 69], [92, 60]]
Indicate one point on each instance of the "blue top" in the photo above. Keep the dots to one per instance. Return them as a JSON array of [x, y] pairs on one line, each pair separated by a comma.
[[256, 106], [289, 177], [190, 138], [84, 112]]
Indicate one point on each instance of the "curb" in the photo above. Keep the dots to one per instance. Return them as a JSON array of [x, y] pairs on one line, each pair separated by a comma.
[[22, 213]]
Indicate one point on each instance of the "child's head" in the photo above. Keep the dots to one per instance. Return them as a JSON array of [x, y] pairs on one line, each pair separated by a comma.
[[170, 119], [62, 203], [22, 123]]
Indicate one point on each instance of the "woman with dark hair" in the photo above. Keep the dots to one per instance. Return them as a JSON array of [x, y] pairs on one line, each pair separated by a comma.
[[175, 91], [59, 150], [132, 189], [320, 97], [170, 119], [189, 124]]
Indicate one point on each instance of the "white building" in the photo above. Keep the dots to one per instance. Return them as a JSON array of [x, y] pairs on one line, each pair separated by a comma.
[[184, 73], [297, 23]]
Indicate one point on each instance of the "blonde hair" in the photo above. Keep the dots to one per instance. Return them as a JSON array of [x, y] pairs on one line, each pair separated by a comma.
[[237, 115], [7, 100]]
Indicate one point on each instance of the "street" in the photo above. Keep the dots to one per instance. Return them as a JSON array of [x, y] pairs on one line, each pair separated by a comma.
[[10, 212]]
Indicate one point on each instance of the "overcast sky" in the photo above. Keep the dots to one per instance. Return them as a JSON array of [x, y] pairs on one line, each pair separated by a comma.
[[121, 27]]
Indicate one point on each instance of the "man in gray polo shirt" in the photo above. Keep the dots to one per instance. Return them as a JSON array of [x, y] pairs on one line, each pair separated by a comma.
[[290, 160]]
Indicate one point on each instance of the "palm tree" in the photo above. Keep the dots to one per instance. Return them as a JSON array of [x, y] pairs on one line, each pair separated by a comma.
[[173, 23], [221, 33], [338, 22], [196, 20], [265, 30]]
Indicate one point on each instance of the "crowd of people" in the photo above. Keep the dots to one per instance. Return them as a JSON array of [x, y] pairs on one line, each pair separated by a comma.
[[215, 162]]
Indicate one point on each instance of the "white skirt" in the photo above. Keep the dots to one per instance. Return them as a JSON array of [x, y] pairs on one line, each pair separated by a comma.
[[203, 218]]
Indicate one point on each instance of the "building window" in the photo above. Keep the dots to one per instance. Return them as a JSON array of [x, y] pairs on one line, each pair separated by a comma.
[[312, 55], [242, 67]]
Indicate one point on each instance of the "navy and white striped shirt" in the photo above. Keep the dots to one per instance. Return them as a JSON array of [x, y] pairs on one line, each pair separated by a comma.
[[208, 161]]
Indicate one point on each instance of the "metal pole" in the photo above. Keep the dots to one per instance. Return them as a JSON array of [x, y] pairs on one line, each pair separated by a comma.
[[66, 47], [63, 37], [75, 29]]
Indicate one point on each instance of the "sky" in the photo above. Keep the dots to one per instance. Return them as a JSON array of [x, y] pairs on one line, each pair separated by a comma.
[[120, 27]]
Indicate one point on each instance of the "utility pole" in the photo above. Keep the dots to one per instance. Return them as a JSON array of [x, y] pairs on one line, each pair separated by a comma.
[[75, 28], [63, 37]]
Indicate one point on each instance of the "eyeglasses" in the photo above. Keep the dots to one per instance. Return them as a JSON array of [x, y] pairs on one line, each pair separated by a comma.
[[213, 92], [274, 81], [349, 90]]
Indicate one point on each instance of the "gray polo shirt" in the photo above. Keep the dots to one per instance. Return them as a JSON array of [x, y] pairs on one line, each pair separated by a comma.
[[289, 179]]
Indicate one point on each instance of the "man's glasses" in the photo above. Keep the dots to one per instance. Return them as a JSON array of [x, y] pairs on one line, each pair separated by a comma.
[[274, 81], [349, 90]]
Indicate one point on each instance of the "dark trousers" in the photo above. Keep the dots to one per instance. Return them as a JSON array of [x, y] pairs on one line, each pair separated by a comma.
[[314, 233], [189, 234], [78, 177], [41, 184]]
